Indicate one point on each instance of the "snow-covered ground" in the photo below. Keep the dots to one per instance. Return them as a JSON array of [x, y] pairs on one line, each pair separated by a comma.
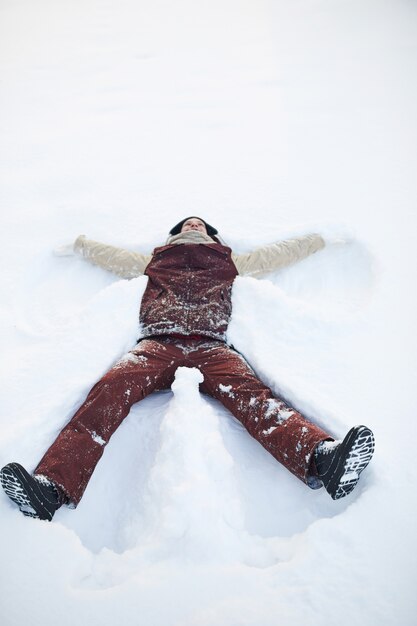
[[266, 118]]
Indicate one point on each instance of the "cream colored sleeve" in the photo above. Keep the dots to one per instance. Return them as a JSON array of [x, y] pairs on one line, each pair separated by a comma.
[[277, 255], [123, 263]]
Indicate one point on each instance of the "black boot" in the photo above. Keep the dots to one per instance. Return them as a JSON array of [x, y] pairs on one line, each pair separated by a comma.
[[339, 464], [36, 496]]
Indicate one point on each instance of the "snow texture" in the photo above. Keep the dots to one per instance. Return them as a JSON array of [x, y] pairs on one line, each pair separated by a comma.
[[267, 119]]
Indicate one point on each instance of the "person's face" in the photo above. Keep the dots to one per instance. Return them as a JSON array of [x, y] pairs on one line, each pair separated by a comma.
[[194, 224]]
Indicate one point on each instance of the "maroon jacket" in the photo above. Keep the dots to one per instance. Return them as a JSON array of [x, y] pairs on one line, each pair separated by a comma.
[[189, 291]]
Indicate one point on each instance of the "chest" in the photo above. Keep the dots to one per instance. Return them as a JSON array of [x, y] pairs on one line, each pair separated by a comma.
[[201, 263]]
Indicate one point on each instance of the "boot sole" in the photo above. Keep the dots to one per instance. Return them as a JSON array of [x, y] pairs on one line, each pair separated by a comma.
[[356, 451], [20, 487]]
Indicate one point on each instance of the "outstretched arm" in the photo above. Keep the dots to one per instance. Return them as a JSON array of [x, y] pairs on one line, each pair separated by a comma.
[[123, 263], [277, 255]]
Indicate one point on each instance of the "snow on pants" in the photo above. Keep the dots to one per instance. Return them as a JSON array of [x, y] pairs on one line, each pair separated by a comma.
[[151, 366]]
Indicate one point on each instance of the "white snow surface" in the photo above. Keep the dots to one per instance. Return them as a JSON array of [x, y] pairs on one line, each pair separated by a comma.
[[267, 119]]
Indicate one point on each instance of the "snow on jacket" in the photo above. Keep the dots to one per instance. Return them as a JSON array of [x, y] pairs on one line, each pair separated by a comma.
[[189, 287]]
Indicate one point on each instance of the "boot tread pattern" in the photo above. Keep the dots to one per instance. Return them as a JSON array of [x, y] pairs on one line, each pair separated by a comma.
[[359, 452], [25, 493]]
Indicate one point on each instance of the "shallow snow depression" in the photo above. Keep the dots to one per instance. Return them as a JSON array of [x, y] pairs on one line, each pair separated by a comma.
[[184, 504]]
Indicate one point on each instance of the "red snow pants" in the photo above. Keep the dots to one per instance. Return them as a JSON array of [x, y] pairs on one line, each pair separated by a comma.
[[151, 366]]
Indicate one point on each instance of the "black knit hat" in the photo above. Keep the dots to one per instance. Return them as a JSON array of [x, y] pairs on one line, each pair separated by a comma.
[[211, 231]]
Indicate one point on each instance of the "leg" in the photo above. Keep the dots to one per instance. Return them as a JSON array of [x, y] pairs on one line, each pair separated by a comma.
[[282, 430], [71, 459]]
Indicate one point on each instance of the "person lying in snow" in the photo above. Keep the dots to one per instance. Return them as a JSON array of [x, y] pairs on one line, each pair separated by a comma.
[[184, 317]]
